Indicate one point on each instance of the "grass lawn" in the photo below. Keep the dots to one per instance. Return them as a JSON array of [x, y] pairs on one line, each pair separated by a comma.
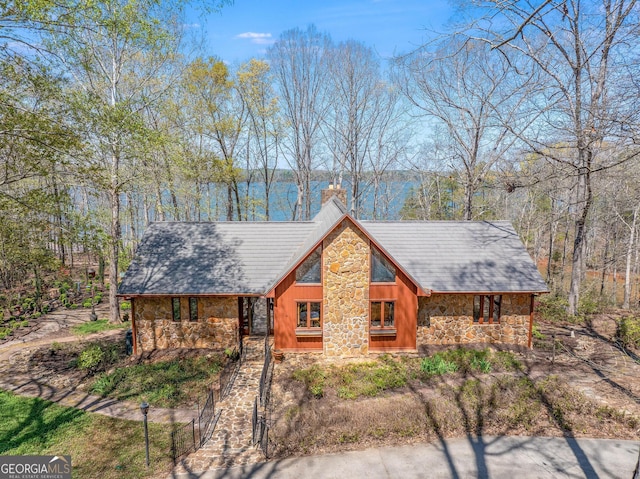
[[174, 383], [96, 327], [99, 446]]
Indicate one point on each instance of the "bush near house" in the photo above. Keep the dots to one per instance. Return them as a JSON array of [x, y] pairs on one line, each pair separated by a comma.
[[629, 331]]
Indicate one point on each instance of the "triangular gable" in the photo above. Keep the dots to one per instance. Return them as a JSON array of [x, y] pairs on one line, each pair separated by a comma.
[[325, 228]]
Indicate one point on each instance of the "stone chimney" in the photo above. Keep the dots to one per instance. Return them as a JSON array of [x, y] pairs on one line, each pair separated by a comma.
[[337, 191]]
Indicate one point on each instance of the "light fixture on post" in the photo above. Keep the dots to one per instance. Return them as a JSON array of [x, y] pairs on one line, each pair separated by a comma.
[[144, 408]]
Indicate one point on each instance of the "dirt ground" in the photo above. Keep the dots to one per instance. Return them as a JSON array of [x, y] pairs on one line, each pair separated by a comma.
[[587, 360], [590, 359]]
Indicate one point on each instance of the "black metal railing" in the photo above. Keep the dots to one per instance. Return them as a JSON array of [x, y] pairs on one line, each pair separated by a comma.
[[259, 429], [254, 422], [259, 421], [265, 375], [228, 375], [183, 440], [205, 418]]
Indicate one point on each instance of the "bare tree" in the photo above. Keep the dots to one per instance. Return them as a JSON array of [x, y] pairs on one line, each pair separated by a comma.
[[364, 116], [255, 84], [475, 96], [299, 61], [573, 45]]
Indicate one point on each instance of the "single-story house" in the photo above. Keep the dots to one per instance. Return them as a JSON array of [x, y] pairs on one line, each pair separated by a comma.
[[333, 284]]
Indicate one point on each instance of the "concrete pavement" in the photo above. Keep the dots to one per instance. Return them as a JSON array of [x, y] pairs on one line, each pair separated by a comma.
[[475, 457]]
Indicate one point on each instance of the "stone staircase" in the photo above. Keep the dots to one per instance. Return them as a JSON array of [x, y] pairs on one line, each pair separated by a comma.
[[230, 443]]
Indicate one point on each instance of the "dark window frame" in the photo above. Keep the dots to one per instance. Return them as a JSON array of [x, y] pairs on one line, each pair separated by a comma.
[[305, 283], [383, 317], [176, 314], [487, 308], [308, 319], [193, 312], [377, 254]]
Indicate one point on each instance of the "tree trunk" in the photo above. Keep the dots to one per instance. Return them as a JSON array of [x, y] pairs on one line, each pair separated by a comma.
[[114, 246], [578, 261], [468, 201], [627, 276]]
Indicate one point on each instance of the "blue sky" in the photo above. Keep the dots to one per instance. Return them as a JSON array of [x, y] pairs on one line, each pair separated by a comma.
[[246, 28]]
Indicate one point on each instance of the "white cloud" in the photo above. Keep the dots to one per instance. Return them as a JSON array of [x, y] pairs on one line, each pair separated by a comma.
[[257, 38]]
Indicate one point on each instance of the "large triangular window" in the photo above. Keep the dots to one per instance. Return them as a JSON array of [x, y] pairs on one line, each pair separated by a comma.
[[382, 271], [309, 271]]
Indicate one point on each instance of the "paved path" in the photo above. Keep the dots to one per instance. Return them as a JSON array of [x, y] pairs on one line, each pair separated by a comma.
[[485, 457], [230, 444], [16, 376]]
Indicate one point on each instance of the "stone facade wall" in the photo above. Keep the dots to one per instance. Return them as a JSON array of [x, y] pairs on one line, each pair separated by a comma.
[[216, 328], [448, 319], [345, 292]]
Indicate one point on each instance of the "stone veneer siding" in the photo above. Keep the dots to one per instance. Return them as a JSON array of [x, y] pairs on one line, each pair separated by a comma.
[[216, 328], [448, 319], [345, 292]]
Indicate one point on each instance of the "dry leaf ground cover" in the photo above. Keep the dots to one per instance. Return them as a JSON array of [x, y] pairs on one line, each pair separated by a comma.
[[320, 406]]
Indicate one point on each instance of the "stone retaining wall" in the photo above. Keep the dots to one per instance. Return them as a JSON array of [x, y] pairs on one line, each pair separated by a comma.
[[448, 319], [216, 328], [346, 292]]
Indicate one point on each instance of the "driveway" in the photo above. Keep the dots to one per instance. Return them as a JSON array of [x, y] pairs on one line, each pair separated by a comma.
[[484, 457]]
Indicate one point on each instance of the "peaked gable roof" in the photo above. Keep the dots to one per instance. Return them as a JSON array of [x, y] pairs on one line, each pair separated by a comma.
[[251, 258], [460, 256], [212, 258]]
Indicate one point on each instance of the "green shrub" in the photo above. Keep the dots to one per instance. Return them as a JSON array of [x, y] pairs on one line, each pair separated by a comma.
[[99, 356], [629, 331], [90, 358], [64, 299], [313, 378], [97, 298], [28, 304], [87, 303], [507, 361], [552, 308], [437, 365], [368, 379], [125, 305], [589, 303], [536, 333]]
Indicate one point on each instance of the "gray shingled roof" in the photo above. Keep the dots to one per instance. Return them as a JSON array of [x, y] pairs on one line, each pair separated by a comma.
[[252, 257], [212, 258], [459, 256]]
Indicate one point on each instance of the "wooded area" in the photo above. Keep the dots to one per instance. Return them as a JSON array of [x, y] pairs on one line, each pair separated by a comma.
[[109, 119]]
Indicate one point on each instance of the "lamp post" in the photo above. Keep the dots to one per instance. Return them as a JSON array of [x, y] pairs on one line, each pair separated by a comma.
[[144, 407]]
